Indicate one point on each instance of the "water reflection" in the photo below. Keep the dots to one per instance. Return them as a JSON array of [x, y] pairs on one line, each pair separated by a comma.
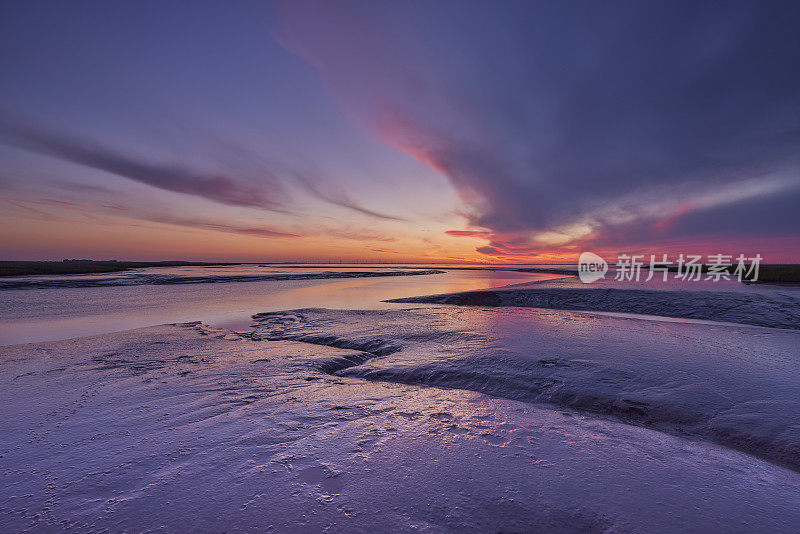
[[58, 313]]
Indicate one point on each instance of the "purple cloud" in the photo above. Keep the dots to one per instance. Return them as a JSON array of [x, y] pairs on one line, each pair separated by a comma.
[[337, 196], [224, 189], [559, 123]]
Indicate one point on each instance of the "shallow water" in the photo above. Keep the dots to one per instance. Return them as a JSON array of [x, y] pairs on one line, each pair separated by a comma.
[[51, 313]]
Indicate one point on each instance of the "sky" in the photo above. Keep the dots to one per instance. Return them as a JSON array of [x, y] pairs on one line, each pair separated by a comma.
[[415, 131]]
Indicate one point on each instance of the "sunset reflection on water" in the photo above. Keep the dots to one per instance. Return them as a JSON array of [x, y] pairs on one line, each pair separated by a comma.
[[31, 315]]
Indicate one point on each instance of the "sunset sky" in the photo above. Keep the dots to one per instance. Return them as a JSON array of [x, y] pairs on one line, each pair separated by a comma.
[[398, 131]]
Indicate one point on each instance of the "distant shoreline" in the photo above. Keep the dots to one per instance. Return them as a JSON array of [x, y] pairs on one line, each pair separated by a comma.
[[33, 268], [769, 273], [30, 268]]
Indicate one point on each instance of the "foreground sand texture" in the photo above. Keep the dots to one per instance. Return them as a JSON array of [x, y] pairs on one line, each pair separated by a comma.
[[333, 421]]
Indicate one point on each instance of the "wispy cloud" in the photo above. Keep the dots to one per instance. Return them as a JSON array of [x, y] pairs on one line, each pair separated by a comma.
[[335, 194], [357, 234], [221, 188], [118, 214], [221, 226], [468, 233], [266, 193]]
